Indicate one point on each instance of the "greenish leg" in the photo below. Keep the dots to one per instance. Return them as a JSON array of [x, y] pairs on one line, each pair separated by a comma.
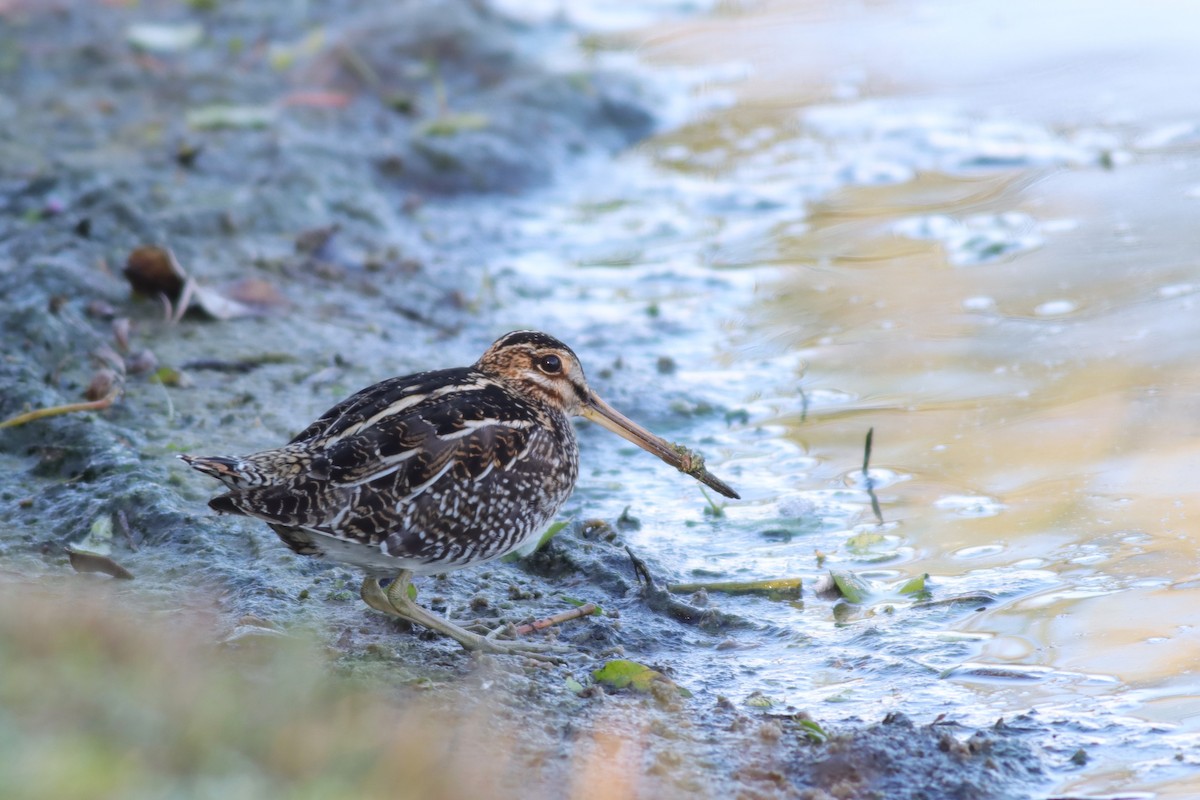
[[395, 602]]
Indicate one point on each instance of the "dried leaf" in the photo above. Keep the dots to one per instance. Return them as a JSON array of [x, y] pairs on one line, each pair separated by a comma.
[[143, 360], [315, 240], [121, 327], [153, 270], [83, 561], [250, 297], [100, 309], [255, 293], [102, 384]]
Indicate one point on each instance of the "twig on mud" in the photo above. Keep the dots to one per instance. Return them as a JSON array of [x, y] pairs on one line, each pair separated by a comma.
[[68, 408], [782, 588], [123, 519], [585, 610], [662, 601], [640, 571]]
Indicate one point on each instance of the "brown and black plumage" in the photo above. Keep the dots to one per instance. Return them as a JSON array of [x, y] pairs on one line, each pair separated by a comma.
[[435, 471]]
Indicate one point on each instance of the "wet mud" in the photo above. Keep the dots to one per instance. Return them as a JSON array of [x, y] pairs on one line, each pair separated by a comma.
[[361, 159]]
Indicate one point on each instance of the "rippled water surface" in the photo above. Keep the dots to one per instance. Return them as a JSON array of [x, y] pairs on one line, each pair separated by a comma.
[[971, 227]]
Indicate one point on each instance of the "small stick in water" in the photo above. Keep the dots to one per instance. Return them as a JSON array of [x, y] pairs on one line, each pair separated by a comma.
[[867, 479], [585, 610]]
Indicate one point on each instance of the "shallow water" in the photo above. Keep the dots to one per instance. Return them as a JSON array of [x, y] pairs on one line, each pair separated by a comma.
[[970, 228]]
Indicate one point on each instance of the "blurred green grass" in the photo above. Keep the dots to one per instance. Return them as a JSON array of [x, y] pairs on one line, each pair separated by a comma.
[[101, 700]]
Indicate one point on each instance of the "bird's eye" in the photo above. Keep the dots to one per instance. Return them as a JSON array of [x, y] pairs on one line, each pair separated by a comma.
[[551, 365]]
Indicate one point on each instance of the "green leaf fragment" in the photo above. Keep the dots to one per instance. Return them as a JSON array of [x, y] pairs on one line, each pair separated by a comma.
[[916, 587], [575, 601], [99, 537], [573, 686], [759, 700], [167, 376], [622, 673], [713, 509], [813, 731], [551, 532], [527, 550], [451, 124], [283, 55], [852, 588], [773, 588], [863, 542], [230, 116]]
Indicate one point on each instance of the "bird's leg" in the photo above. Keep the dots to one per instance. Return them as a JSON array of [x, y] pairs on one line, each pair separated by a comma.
[[372, 594], [395, 601]]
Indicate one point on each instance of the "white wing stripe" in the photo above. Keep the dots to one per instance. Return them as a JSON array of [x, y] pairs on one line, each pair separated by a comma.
[[422, 487]]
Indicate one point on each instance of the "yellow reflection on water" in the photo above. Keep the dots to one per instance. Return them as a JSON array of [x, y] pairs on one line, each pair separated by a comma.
[[1084, 425], [1062, 380]]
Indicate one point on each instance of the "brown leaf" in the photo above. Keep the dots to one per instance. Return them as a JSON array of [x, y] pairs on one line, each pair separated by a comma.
[[121, 327], [143, 360], [100, 309], [249, 297], [314, 240], [153, 270], [101, 384], [83, 561], [256, 293]]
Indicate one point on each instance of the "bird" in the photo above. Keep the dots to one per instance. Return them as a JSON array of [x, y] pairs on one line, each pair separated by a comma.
[[436, 471]]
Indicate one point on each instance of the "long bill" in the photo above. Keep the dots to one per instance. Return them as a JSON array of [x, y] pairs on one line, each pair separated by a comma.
[[676, 455]]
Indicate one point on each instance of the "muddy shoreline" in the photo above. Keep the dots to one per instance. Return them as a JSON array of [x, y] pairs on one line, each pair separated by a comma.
[[361, 163]]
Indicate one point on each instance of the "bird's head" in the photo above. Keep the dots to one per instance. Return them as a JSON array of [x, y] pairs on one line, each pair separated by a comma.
[[538, 365]]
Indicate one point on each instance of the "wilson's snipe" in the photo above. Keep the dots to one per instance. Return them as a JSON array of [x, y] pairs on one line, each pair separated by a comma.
[[435, 471]]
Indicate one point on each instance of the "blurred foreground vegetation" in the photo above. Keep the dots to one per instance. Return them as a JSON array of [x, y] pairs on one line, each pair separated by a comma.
[[100, 700]]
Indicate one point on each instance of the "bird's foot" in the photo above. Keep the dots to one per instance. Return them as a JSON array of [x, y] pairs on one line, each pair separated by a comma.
[[538, 651], [395, 602]]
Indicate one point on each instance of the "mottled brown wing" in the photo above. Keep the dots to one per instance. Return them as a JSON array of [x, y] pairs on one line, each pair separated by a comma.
[[378, 469], [406, 391], [472, 425]]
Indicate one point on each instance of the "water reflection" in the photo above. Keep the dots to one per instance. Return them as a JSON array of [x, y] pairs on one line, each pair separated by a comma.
[[987, 253], [969, 227]]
